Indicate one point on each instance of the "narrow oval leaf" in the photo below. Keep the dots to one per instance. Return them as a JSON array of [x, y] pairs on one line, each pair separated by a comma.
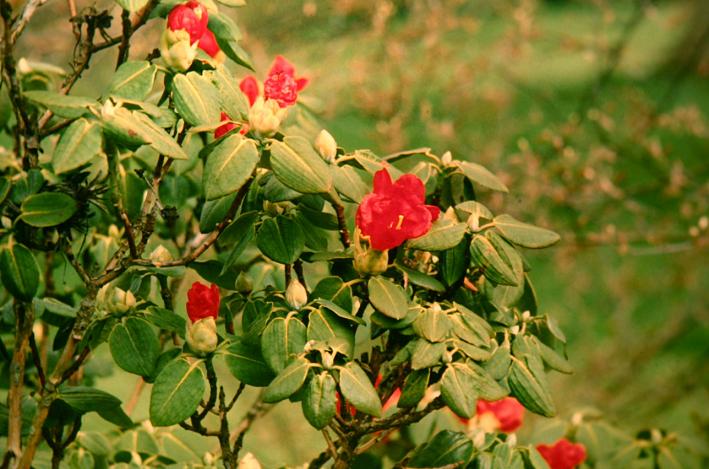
[[444, 234], [358, 389], [47, 209], [328, 328], [19, 271], [133, 79], [134, 346], [524, 234], [78, 145], [531, 390], [84, 399], [281, 239], [421, 279], [196, 99], [298, 166], [320, 400], [288, 381], [231, 99], [478, 174], [177, 392], [458, 391], [282, 340], [414, 388], [446, 449], [387, 297], [483, 254], [229, 166], [433, 325], [62, 105], [349, 183], [247, 364], [425, 354]]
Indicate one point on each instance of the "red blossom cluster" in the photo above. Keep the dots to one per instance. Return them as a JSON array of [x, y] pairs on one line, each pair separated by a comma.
[[280, 85], [563, 454], [192, 16], [507, 414], [395, 211], [202, 302]]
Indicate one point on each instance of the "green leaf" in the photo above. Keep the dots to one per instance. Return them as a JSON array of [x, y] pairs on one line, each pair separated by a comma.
[[453, 264], [5, 186], [335, 290], [446, 449], [227, 34], [288, 381], [499, 363], [298, 166], [421, 279], [85, 399], [531, 388], [134, 79], [339, 311], [484, 385], [47, 209], [62, 105], [177, 392], [425, 354], [282, 340], [232, 3], [458, 390], [444, 234], [196, 99], [551, 357], [523, 234], [480, 175], [229, 166], [281, 239], [414, 388], [387, 297], [214, 211], [534, 458], [134, 346], [484, 254], [231, 99], [132, 5], [19, 271], [78, 145], [433, 325], [349, 183], [166, 319], [242, 229], [327, 327], [247, 364], [133, 129], [358, 389], [320, 400]]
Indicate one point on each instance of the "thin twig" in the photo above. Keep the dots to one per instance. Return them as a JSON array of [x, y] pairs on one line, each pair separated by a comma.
[[30, 7], [37, 360]]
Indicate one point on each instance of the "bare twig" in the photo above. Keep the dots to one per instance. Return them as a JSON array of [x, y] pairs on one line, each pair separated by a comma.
[[27, 12], [24, 318], [37, 360], [126, 32], [135, 396]]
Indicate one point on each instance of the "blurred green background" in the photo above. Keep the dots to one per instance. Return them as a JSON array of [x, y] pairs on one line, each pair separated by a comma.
[[595, 114]]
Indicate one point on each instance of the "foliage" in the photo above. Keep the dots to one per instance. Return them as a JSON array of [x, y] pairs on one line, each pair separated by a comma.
[[136, 192]]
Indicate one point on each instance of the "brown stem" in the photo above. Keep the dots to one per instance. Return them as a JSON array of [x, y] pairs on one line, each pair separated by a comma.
[[126, 32], [24, 318], [341, 221], [135, 396], [37, 360]]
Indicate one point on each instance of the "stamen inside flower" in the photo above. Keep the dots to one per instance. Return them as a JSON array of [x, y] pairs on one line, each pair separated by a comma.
[[400, 222]]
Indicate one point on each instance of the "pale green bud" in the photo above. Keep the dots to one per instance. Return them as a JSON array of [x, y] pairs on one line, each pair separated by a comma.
[[116, 300], [266, 116], [160, 255], [176, 50], [326, 145], [249, 461], [202, 336], [296, 295]]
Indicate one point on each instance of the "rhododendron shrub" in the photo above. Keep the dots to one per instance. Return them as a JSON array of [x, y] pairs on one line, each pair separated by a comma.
[[189, 231]]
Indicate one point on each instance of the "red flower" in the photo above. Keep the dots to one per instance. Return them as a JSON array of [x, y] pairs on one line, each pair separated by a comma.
[[192, 17], [508, 412], [280, 84], [202, 302], [395, 211], [249, 86], [563, 454], [208, 43], [224, 129]]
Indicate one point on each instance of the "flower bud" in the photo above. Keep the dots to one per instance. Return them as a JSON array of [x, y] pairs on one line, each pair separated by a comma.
[[208, 43], [191, 17], [160, 255], [116, 300], [326, 145], [266, 116], [176, 49], [202, 336], [447, 158], [249, 461], [296, 295], [371, 261]]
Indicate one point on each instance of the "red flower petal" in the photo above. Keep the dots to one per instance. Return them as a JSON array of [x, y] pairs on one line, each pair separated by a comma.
[[508, 411], [224, 128], [202, 301], [249, 86], [301, 83], [563, 454], [192, 17], [411, 186], [208, 43], [281, 65]]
